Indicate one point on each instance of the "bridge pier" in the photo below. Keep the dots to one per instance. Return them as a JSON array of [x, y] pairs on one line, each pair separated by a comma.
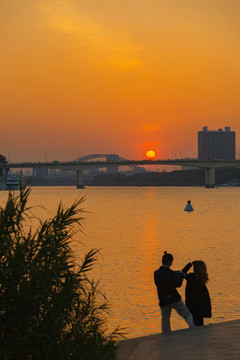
[[80, 179], [113, 169], [4, 172], [209, 177]]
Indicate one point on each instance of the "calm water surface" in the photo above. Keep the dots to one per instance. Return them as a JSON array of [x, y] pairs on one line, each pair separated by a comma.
[[133, 226]]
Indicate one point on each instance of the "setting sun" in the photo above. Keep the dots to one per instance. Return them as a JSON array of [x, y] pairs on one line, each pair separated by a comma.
[[150, 154]]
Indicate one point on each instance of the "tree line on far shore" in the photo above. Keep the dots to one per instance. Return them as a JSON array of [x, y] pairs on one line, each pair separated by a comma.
[[195, 177]]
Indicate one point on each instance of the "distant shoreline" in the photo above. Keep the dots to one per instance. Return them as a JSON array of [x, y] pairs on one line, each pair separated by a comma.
[[183, 178]]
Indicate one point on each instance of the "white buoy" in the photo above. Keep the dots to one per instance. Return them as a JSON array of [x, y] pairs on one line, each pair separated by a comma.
[[188, 207]]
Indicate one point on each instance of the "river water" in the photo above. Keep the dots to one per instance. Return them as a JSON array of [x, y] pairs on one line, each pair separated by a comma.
[[133, 226]]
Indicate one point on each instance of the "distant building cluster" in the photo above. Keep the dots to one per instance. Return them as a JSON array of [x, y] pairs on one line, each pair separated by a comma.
[[216, 144]]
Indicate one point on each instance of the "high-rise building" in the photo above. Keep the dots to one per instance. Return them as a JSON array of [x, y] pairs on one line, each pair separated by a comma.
[[214, 145]]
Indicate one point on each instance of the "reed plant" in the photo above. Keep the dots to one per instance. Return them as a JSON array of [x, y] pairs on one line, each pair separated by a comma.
[[50, 308]]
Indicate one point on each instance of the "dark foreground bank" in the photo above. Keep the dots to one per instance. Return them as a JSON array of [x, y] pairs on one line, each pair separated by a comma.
[[216, 341]]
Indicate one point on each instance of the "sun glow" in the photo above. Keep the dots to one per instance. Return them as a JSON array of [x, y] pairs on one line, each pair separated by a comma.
[[150, 154]]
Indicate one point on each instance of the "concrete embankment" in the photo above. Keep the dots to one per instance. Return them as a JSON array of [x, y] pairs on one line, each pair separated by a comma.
[[217, 341]]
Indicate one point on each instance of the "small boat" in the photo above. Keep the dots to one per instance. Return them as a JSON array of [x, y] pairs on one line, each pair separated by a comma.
[[12, 182]]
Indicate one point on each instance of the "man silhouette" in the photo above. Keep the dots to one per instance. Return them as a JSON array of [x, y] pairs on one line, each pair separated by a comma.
[[166, 281]]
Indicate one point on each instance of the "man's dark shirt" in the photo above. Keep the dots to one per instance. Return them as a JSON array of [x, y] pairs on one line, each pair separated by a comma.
[[166, 281]]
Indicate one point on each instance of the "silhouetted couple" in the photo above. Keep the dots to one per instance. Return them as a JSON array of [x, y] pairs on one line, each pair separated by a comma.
[[198, 303]]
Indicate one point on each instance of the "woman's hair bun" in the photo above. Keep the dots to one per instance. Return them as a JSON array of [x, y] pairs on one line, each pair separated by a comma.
[[165, 252]]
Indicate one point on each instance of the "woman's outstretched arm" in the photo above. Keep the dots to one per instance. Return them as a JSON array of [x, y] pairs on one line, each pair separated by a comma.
[[186, 268]]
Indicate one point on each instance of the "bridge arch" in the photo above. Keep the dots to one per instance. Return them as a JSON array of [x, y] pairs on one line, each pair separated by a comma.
[[108, 157]]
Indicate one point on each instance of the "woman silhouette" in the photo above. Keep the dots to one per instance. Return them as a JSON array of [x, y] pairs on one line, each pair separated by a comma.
[[197, 295]]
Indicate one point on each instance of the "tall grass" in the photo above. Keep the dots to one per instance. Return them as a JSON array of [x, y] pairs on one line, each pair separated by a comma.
[[49, 306]]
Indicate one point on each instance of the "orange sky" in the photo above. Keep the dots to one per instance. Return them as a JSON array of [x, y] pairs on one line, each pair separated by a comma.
[[80, 77]]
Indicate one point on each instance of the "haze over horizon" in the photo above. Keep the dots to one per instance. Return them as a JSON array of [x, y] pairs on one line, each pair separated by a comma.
[[83, 77]]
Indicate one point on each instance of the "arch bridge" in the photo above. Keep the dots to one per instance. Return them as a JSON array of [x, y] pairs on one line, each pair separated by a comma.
[[111, 169]]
